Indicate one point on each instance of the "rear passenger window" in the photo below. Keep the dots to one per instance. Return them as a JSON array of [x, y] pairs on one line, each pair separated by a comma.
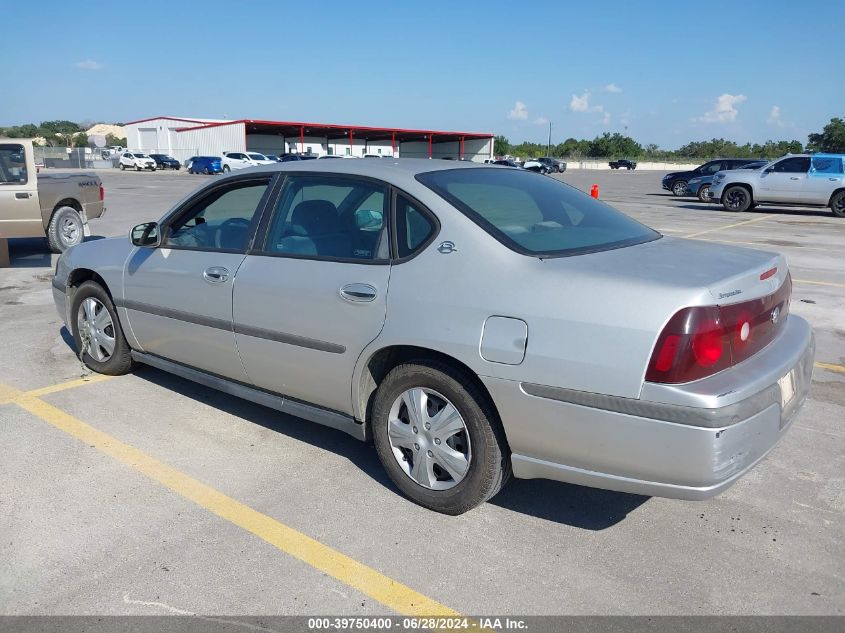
[[413, 227], [794, 165], [330, 217], [827, 165]]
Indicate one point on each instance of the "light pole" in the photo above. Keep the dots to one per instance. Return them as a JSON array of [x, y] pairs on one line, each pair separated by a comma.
[[549, 147]]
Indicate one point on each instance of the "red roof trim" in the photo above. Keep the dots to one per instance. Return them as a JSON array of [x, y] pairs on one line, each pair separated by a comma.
[[337, 127], [166, 118]]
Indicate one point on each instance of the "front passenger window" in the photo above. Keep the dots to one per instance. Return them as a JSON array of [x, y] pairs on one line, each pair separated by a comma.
[[220, 221], [794, 165]]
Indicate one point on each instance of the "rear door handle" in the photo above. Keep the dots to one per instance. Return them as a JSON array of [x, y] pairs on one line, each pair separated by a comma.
[[23, 195], [793, 178], [359, 293], [216, 274]]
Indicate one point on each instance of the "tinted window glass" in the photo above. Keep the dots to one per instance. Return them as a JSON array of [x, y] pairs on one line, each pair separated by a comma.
[[12, 164], [413, 227], [332, 217], [535, 214], [827, 164], [712, 167], [220, 221], [794, 165]]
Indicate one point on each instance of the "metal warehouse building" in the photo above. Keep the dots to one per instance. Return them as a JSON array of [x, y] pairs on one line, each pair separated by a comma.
[[183, 138]]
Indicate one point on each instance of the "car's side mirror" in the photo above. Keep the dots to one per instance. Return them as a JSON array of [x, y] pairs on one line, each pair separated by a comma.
[[769, 170], [147, 235]]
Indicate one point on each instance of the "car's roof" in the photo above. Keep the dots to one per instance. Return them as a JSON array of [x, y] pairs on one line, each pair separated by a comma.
[[397, 167]]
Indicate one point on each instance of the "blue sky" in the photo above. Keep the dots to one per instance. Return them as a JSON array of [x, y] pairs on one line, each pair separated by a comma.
[[664, 72]]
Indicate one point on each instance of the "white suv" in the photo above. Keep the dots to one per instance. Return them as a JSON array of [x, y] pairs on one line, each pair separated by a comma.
[[816, 180], [242, 160], [137, 161]]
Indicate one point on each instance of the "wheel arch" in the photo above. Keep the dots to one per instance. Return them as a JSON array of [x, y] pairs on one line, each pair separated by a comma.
[[744, 185], [73, 203], [79, 276], [833, 195], [375, 365]]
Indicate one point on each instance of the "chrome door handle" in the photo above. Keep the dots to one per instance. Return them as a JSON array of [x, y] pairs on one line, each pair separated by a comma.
[[833, 179], [215, 274], [359, 293], [793, 177]]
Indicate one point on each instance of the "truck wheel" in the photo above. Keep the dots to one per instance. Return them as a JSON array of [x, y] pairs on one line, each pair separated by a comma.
[[837, 204], [736, 198], [679, 188], [65, 229], [439, 438], [704, 193], [92, 316]]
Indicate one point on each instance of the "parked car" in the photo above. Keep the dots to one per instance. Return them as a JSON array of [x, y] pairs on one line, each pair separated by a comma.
[[273, 157], [54, 206], [243, 160], [286, 158], [206, 165], [700, 185], [622, 163], [506, 163], [676, 181], [137, 161], [163, 161], [631, 361], [553, 165], [816, 180], [535, 164]]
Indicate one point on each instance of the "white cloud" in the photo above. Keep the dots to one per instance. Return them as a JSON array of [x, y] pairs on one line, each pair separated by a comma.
[[89, 64], [724, 110], [519, 112], [582, 103], [541, 120], [606, 118], [774, 117], [611, 87]]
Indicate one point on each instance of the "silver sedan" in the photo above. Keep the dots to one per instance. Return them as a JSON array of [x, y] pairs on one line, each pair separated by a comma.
[[473, 323]]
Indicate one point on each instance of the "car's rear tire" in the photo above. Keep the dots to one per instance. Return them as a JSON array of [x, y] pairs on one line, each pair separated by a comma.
[[679, 188], [92, 312], [704, 193], [737, 199], [837, 204], [121, 166], [450, 463], [65, 229]]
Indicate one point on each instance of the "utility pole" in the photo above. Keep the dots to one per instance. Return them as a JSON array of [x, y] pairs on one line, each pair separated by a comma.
[[549, 148]]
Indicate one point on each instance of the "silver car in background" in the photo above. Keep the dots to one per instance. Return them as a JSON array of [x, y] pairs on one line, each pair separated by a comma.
[[472, 322]]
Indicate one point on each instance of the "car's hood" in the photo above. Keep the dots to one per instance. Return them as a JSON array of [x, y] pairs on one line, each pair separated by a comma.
[[675, 174], [702, 271]]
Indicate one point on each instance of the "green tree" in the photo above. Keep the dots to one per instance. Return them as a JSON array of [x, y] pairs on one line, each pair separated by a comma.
[[831, 138], [501, 145], [111, 139]]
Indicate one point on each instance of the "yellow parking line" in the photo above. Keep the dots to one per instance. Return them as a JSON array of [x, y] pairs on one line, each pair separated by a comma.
[[832, 367], [819, 283], [730, 226], [368, 581], [72, 384]]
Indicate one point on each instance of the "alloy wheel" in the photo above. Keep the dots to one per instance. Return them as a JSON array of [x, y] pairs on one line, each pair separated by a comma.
[[679, 188], [70, 230], [95, 324], [429, 439], [735, 199]]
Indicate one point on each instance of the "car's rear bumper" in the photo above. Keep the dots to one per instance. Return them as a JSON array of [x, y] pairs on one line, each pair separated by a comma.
[[663, 448]]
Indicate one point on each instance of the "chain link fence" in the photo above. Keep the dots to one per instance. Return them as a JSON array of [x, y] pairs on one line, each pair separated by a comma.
[[96, 157]]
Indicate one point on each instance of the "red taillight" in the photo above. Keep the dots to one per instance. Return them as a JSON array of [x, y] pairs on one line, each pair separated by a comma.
[[102, 192], [700, 341]]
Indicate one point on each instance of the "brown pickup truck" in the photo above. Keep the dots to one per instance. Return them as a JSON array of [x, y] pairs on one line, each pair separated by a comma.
[[55, 206]]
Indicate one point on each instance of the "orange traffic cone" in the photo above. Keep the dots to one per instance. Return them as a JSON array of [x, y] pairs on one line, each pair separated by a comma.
[[594, 191]]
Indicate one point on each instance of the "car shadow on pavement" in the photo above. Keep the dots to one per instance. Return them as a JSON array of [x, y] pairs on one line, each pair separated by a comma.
[[763, 210], [577, 506]]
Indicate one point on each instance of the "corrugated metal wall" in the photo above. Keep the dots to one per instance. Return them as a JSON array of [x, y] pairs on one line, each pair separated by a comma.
[[213, 141]]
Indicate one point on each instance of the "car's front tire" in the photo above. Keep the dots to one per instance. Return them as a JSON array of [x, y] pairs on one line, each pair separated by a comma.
[[679, 188], [737, 199], [438, 437], [226, 169], [837, 204], [94, 318]]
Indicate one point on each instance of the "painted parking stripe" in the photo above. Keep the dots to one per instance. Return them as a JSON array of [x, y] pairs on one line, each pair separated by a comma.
[[395, 595], [730, 226], [831, 367]]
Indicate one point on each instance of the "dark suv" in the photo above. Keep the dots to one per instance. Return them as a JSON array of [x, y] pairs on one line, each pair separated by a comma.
[[676, 181]]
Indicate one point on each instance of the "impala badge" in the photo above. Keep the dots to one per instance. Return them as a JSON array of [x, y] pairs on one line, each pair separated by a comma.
[[447, 247]]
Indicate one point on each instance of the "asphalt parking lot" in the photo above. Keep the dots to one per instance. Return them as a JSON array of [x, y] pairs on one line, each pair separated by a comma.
[[150, 495]]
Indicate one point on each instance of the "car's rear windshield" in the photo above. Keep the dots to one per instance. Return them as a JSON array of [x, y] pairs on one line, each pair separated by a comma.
[[535, 214]]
